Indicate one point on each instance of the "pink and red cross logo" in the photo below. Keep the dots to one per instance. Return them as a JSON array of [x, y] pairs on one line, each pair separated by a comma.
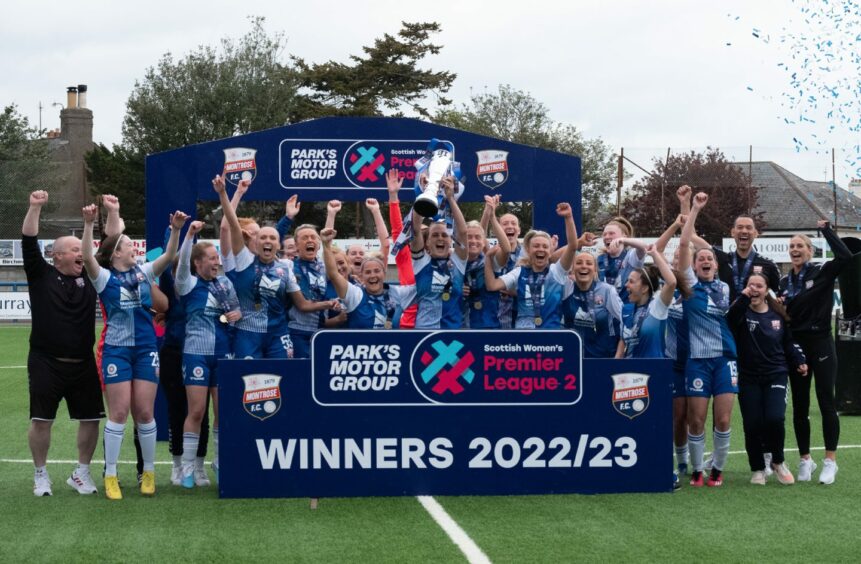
[[448, 379], [366, 164]]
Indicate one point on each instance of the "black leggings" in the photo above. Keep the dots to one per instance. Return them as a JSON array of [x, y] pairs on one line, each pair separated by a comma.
[[763, 408], [177, 402], [821, 367]]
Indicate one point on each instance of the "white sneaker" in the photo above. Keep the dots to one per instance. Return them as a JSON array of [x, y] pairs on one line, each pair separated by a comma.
[[82, 482], [41, 485], [829, 470], [176, 475], [784, 476], [805, 469], [758, 478], [200, 477], [766, 457]]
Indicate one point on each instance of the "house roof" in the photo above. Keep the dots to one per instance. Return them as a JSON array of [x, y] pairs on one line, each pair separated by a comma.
[[790, 203]]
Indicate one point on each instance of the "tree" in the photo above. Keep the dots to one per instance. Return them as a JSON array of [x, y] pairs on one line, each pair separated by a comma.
[[388, 77], [248, 85], [24, 166], [728, 187], [516, 116]]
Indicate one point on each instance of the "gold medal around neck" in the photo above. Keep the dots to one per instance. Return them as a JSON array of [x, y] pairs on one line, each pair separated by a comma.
[[388, 324], [446, 296], [477, 305], [538, 321], [222, 318], [258, 306]]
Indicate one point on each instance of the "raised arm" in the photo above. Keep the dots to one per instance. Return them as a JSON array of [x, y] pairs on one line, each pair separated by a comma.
[[379, 224], [666, 271], [332, 209], [90, 264], [162, 263], [636, 244], [490, 205], [183, 269], [448, 184], [237, 242], [563, 210], [393, 185], [684, 195], [340, 283], [114, 224], [30, 228], [291, 210], [491, 282], [669, 233], [689, 230], [224, 234]]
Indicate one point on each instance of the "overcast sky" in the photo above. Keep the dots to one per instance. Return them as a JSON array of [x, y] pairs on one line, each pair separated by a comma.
[[645, 76]]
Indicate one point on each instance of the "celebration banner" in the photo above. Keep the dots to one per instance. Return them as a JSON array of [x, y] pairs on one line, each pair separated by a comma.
[[444, 412]]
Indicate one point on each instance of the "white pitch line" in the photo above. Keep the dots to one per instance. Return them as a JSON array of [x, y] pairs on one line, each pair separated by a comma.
[[22, 366], [466, 545]]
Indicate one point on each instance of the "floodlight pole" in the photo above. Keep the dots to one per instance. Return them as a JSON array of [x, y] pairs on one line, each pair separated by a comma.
[[834, 187]]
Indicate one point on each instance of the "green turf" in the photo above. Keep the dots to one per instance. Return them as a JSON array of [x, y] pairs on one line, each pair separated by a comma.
[[736, 523]]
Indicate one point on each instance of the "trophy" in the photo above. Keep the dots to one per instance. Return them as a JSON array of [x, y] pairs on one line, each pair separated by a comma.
[[426, 204]]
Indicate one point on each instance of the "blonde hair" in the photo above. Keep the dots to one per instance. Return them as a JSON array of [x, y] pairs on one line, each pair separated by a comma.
[[806, 240], [624, 225], [532, 234]]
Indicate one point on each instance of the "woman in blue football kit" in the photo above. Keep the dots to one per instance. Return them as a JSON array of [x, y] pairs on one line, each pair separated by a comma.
[[372, 305], [210, 303], [644, 317], [765, 353], [263, 284], [439, 272], [808, 293], [619, 259], [593, 309], [541, 286], [482, 306], [711, 367], [130, 357]]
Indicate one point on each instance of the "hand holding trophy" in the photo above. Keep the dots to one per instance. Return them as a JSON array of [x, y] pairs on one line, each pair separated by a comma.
[[426, 204]]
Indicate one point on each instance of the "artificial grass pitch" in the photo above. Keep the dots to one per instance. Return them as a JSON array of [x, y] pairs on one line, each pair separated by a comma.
[[738, 522]]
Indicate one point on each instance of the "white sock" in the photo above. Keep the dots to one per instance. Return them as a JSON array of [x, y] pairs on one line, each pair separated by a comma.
[[721, 440], [177, 461], [697, 446], [682, 454], [146, 435], [215, 445], [41, 470], [113, 441], [189, 448], [83, 468]]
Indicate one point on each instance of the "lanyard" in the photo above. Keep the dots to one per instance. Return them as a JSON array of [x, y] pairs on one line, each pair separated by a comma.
[[791, 281], [587, 303], [221, 295], [536, 284], [640, 312], [306, 268], [738, 278], [611, 269], [128, 280]]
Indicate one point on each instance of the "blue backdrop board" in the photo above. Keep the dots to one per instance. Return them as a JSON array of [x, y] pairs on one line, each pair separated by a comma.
[[444, 412], [346, 159]]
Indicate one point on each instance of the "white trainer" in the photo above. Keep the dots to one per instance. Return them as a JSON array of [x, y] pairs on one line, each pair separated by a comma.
[[176, 475], [42, 485], [766, 457], [758, 478], [82, 482], [829, 471], [805, 469], [200, 477], [784, 476]]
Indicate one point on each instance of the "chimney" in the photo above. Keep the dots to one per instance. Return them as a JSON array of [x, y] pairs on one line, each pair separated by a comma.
[[82, 95], [71, 97]]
